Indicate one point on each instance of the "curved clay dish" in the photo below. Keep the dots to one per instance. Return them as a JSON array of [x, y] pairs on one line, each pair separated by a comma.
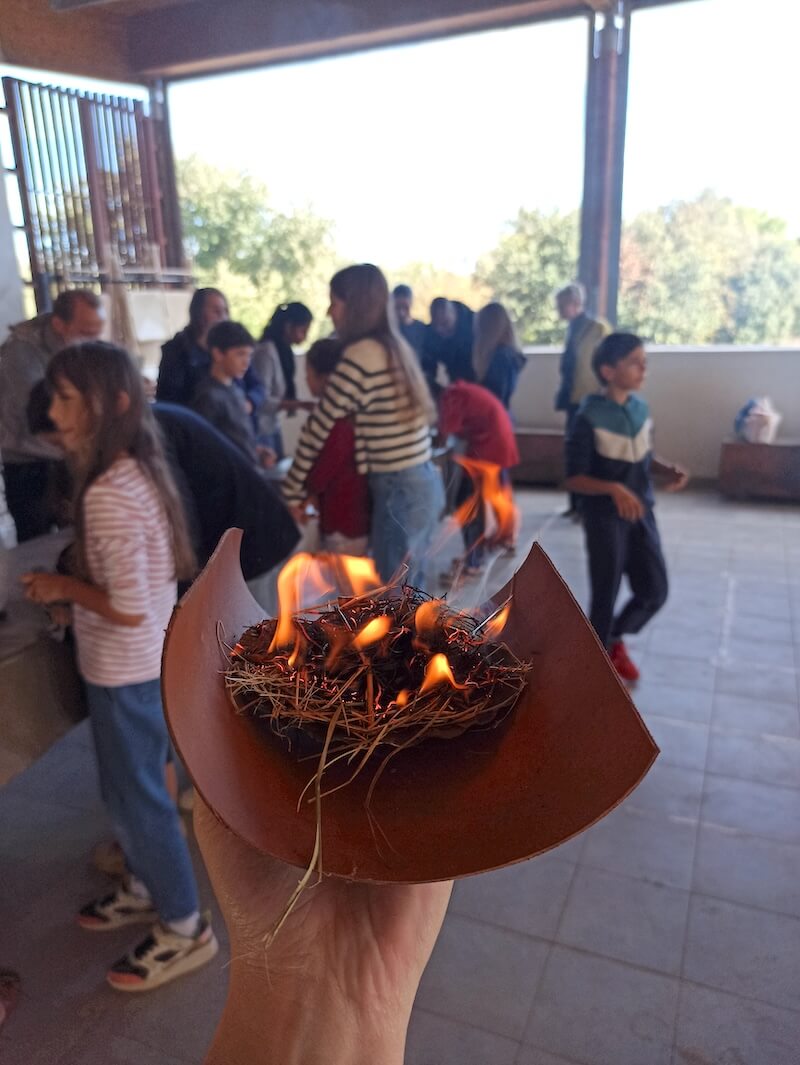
[[570, 751]]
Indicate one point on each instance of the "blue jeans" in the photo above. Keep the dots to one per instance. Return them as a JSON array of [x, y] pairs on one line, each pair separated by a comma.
[[132, 742], [406, 507]]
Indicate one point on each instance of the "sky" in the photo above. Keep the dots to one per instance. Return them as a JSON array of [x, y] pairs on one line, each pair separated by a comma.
[[425, 152]]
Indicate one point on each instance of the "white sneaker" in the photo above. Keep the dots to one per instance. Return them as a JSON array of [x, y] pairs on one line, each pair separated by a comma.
[[116, 910], [163, 955]]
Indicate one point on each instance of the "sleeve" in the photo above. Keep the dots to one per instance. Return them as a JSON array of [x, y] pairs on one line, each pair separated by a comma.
[[116, 535], [20, 370], [206, 406], [171, 384], [580, 448], [338, 450], [254, 388], [263, 363], [342, 397]]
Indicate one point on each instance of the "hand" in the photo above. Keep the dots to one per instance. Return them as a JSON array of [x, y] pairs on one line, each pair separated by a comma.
[[348, 959], [47, 587], [266, 456], [677, 479], [628, 504], [248, 405]]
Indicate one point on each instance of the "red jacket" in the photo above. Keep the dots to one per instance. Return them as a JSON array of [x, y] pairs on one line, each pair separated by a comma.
[[477, 416], [342, 491]]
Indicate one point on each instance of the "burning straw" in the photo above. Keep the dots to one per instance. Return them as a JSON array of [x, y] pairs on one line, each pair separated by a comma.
[[371, 674]]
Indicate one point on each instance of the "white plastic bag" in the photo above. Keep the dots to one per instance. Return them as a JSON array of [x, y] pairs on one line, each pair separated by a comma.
[[758, 421]]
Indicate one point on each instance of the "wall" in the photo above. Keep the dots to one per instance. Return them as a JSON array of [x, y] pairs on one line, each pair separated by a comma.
[[694, 395], [10, 283]]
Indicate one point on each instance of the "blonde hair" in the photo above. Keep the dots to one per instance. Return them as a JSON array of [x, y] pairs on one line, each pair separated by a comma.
[[493, 329], [368, 312]]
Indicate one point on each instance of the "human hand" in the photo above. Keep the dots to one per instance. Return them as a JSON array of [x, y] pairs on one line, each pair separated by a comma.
[[677, 478], [266, 456], [628, 504], [46, 587], [349, 959]]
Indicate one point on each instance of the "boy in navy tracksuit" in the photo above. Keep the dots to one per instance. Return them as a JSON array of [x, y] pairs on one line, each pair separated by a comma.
[[609, 463]]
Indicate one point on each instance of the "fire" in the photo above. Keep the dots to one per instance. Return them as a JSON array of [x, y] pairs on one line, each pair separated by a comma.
[[359, 573], [495, 497], [299, 647], [300, 582], [494, 627], [427, 615], [372, 632], [402, 697], [438, 671]]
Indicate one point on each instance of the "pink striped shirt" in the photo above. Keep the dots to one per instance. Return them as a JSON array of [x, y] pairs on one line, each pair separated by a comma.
[[129, 554]]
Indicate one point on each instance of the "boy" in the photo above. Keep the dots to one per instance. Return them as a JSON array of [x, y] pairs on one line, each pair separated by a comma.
[[217, 397], [475, 415], [341, 492], [609, 463]]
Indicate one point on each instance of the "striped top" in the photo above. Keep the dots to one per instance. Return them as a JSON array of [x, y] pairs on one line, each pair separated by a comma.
[[129, 555], [389, 437]]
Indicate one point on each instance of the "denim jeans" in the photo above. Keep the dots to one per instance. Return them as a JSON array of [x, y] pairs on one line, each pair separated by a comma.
[[132, 742], [406, 507]]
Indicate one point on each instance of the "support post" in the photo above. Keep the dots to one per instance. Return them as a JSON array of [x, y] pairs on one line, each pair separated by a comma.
[[165, 163], [606, 107]]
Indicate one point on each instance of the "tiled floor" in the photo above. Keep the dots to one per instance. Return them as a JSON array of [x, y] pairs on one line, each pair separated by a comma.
[[668, 934]]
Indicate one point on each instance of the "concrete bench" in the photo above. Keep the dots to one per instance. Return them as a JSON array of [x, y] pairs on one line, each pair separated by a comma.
[[760, 471], [541, 454]]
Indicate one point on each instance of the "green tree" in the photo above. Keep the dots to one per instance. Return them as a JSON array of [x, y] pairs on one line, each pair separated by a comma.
[[708, 271], [258, 256], [531, 262], [428, 281]]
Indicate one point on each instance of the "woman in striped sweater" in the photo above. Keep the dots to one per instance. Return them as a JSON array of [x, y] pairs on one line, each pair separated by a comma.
[[379, 384]]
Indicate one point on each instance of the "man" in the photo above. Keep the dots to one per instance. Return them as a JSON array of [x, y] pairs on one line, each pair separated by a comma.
[[577, 377], [412, 329], [24, 357], [449, 340]]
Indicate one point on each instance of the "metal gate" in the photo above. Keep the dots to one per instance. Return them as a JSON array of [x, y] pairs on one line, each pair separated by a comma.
[[89, 169]]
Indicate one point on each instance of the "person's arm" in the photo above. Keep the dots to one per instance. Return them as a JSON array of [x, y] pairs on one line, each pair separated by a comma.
[[48, 588], [342, 397], [580, 448], [336, 985], [254, 388], [675, 477]]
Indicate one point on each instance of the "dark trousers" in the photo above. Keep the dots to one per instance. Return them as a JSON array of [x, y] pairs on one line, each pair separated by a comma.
[[28, 497], [571, 412], [616, 547]]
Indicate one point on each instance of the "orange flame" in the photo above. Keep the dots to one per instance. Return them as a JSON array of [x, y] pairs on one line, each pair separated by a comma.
[[300, 582], [495, 498], [372, 632], [494, 627], [402, 697], [356, 572], [299, 647], [427, 615], [438, 671]]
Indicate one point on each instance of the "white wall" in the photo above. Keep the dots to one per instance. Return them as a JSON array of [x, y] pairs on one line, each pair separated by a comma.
[[10, 284], [694, 395]]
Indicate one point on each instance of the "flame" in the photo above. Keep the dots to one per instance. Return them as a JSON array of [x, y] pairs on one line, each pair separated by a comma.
[[437, 672], [300, 582], [357, 572], [402, 697], [299, 648], [494, 627], [427, 615], [496, 498], [372, 632]]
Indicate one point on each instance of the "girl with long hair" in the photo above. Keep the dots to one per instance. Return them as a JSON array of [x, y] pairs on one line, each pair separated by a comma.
[[274, 362], [496, 353], [131, 547], [379, 383]]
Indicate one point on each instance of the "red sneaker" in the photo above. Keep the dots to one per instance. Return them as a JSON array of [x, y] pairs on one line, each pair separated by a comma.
[[621, 662]]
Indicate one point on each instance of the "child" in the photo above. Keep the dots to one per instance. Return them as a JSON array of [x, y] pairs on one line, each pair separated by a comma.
[[131, 546], [496, 353], [377, 380], [609, 463], [341, 491], [474, 414], [217, 397]]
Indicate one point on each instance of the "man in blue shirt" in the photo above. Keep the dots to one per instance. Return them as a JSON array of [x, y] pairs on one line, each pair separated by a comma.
[[610, 463]]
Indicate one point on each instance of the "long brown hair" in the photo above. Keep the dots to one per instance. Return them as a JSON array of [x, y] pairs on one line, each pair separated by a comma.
[[369, 313], [493, 329], [103, 372]]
